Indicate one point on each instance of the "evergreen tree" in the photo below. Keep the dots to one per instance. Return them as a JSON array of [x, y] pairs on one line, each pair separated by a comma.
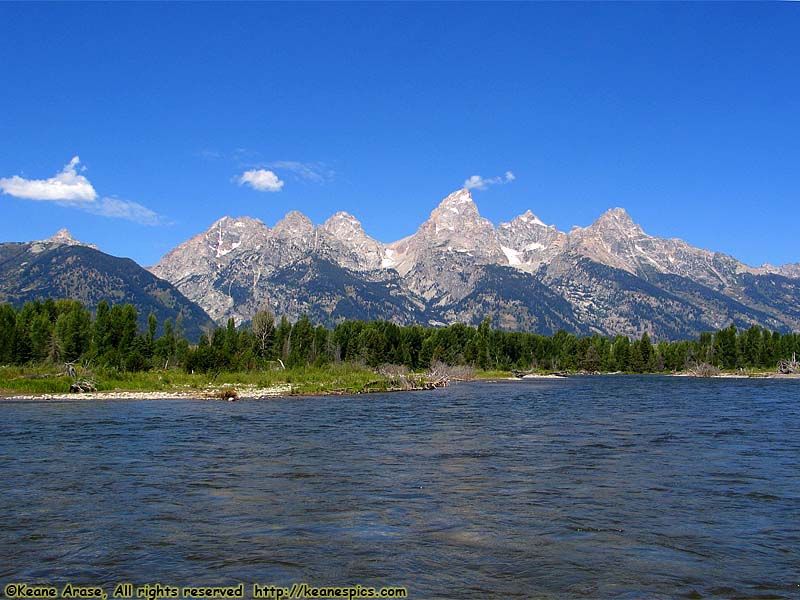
[[751, 347], [166, 346], [321, 352], [8, 334], [621, 352], [73, 328], [725, 348], [101, 330], [152, 326], [41, 333], [647, 353], [302, 340]]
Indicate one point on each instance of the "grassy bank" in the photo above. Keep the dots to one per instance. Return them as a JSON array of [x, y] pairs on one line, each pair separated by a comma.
[[343, 378]]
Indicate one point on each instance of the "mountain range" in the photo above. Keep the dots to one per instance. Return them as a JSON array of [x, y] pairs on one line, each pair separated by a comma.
[[610, 277]]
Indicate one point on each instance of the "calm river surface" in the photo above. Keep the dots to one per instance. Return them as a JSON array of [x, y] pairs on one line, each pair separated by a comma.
[[589, 487]]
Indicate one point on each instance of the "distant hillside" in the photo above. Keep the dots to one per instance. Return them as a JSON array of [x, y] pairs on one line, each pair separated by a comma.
[[62, 268]]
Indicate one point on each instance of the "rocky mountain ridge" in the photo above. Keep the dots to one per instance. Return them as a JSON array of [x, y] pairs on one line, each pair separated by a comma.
[[62, 267], [609, 277]]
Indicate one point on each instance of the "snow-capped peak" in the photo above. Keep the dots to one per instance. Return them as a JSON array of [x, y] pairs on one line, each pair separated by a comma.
[[228, 222], [458, 201], [529, 218]]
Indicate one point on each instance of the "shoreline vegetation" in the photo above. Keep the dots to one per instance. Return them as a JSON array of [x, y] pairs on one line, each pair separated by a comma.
[[49, 348], [34, 384], [41, 382]]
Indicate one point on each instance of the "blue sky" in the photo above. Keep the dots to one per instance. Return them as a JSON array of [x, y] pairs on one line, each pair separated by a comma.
[[687, 115]]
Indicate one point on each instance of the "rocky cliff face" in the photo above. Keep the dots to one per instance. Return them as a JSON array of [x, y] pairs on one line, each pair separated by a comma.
[[195, 265], [610, 277], [437, 262], [342, 239], [528, 243], [615, 240], [792, 270]]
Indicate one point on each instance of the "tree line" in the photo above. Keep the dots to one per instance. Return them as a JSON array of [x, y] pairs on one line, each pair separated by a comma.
[[58, 331]]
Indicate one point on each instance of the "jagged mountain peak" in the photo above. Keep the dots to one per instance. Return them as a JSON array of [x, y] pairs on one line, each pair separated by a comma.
[[345, 227], [454, 236], [64, 238], [617, 212], [343, 240], [791, 270], [237, 222], [617, 217], [342, 220], [456, 214], [460, 196], [225, 239], [614, 239], [527, 242], [457, 224], [529, 218], [228, 234], [294, 223], [614, 275], [617, 241], [525, 220], [614, 224], [459, 203]]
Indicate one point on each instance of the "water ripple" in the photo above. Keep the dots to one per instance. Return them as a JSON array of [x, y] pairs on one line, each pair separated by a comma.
[[595, 487]]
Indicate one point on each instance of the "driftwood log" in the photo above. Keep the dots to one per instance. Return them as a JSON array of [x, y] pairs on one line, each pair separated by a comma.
[[80, 383], [81, 386], [789, 367], [703, 370]]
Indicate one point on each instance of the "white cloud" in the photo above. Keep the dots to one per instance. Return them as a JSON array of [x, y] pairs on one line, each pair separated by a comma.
[[66, 186], [261, 180], [211, 155], [125, 209], [476, 182], [70, 189], [251, 161], [316, 172]]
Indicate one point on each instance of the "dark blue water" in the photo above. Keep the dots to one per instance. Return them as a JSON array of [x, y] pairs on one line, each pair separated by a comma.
[[594, 487]]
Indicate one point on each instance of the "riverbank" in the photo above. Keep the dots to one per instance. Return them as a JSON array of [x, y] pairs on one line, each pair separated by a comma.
[[41, 383], [31, 384], [227, 393], [754, 375], [249, 392], [722, 375]]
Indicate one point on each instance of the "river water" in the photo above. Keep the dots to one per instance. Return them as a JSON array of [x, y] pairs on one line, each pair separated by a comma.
[[589, 487]]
